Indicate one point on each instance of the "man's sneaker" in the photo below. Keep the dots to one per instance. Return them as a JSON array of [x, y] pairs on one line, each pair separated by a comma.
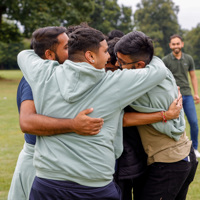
[[197, 153]]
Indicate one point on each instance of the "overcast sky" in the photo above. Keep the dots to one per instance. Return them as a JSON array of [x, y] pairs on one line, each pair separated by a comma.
[[189, 11]]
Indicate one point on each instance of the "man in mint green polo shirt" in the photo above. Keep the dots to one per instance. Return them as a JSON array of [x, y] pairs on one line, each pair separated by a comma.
[[180, 64]]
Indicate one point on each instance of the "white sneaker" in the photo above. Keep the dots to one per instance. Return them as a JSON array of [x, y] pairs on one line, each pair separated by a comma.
[[197, 153]]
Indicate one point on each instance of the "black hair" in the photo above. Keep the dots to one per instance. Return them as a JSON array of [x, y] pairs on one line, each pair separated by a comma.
[[115, 33], [111, 45], [137, 45], [46, 38], [82, 40], [176, 36], [72, 28]]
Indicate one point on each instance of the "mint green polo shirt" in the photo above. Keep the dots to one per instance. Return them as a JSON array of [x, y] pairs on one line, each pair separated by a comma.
[[180, 69]]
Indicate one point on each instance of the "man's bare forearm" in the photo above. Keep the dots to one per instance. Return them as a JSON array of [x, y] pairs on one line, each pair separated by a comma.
[[137, 119], [45, 126], [33, 123]]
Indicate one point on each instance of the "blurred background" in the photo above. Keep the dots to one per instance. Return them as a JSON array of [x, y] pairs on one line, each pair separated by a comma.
[[159, 19]]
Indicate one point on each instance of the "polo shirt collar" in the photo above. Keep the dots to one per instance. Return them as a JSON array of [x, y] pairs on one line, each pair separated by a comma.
[[174, 58]]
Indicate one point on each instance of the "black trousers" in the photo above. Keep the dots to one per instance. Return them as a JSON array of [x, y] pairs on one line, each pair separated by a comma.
[[170, 181], [132, 188]]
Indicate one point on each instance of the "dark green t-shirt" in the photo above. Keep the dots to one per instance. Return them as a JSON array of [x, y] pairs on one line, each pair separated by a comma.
[[180, 69]]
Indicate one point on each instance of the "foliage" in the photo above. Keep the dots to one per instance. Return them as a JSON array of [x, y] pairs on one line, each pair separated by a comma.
[[108, 15], [8, 54], [33, 14], [126, 23], [9, 51], [192, 44], [9, 32], [157, 19]]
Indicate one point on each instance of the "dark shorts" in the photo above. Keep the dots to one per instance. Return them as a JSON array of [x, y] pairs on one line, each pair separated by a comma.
[[44, 189]]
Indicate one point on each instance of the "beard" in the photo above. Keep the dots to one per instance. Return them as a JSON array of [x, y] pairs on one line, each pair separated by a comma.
[[177, 50], [57, 57]]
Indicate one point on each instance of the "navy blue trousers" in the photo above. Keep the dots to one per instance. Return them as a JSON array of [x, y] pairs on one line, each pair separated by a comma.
[[44, 189]]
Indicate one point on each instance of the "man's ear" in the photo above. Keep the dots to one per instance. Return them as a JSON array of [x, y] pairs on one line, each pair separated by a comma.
[[182, 44], [140, 64], [170, 45], [90, 57], [49, 55]]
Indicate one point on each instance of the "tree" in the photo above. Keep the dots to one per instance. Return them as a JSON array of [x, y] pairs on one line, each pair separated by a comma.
[[192, 44], [9, 32], [11, 42], [33, 14], [108, 15], [8, 54], [126, 23], [104, 15], [157, 19]]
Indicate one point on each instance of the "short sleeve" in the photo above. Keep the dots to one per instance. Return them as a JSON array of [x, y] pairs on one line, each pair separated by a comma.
[[24, 92], [191, 64]]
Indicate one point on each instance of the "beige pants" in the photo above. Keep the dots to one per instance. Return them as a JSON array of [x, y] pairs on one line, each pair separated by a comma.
[[24, 175]]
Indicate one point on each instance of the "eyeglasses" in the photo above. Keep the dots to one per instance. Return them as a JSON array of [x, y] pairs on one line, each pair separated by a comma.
[[121, 63]]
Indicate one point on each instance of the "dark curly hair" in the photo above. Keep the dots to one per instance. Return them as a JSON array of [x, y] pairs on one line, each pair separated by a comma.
[[46, 38], [82, 40], [137, 45]]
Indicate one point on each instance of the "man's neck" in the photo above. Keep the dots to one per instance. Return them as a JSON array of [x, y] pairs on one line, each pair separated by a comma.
[[177, 56]]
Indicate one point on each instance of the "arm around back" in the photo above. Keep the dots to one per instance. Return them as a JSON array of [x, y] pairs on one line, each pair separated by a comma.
[[33, 67], [138, 119], [33, 123]]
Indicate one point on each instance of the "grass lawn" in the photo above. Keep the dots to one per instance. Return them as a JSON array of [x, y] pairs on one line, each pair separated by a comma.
[[11, 138]]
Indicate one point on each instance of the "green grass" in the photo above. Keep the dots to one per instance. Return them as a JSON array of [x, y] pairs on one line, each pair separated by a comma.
[[11, 138], [194, 190]]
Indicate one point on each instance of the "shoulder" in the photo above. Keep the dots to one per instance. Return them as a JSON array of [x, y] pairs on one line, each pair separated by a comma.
[[166, 59], [187, 56], [24, 90], [167, 56], [23, 85]]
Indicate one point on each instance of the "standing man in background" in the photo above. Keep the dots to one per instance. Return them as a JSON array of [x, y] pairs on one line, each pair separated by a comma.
[[180, 64]]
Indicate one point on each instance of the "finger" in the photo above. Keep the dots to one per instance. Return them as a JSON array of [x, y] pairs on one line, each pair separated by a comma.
[[91, 133], [175, 102], [197, 101], [179, 102], [87, 111], [95, 132], [179, 96], [92, 127], [95, 128], [96, 121]]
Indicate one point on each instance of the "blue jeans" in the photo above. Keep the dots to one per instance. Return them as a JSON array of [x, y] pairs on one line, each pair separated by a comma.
[[190, 112]]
